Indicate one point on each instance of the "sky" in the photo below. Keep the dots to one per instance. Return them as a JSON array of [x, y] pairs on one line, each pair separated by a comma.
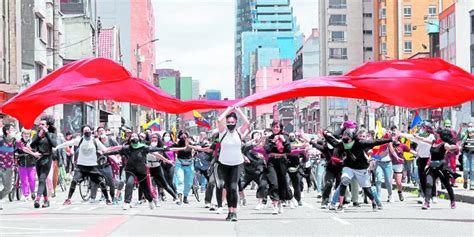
[[198, 37]]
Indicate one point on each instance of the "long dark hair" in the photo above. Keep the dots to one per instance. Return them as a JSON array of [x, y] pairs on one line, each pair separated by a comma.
[[275, 122], [160, 140], [50, 122], [446, 136]]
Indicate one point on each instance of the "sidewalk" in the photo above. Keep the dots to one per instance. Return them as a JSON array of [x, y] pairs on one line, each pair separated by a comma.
[[461, 194]]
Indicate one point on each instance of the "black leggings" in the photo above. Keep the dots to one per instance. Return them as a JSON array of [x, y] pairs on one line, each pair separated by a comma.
[[43, 166], [93, 173], [422, 162], [168, 170], [230, 175], [158, 176], [296, 182], [257, 177], [69, 164], [276, 176], [109, 181], [431, 177], [142, 185], [329, 178]]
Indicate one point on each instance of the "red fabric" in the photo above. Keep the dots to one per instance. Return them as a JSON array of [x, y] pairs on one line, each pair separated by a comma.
[[417, 83]]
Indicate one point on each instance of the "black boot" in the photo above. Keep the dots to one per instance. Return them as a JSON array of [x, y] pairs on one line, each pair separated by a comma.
[[229, 217], [185, 200]]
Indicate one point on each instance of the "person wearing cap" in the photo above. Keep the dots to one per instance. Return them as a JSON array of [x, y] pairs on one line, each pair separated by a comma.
[[356, 163]]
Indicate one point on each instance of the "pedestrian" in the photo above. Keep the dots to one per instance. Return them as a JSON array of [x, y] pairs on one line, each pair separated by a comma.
[[467, 147], [7, 153], [230, 155], [26, 166], [44, 142], [184, 173]]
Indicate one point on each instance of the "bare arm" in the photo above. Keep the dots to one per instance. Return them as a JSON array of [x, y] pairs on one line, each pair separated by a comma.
[[221, 125], [246, 124]]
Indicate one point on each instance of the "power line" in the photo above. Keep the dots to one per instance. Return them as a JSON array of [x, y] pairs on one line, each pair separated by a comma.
[[67, 46]]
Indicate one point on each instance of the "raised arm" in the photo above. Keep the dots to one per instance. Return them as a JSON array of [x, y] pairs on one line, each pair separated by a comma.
[[370, 144], [221, 123], [246, 124], [73, 142]]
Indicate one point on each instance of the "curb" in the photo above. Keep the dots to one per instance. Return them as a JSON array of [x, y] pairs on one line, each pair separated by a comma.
[[458, 197]]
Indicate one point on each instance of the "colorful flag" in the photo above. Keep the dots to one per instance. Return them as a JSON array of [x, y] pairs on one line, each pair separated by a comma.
[[200, 121], [173, 131], [416, 121], [154, 125], [378, 129]]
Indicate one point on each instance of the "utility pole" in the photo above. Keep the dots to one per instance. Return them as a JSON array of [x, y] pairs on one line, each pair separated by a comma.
[[98, 26], [56, 49]]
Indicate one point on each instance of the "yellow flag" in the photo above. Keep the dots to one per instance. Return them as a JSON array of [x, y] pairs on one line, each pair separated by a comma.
[[378, 129]]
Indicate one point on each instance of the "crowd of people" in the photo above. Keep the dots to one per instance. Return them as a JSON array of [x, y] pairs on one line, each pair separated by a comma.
[[339, 164]]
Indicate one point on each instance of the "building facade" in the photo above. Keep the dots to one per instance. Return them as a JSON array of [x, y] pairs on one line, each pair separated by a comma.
[[213, 94]]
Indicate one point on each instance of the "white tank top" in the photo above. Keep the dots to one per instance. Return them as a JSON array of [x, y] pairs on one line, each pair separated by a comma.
[[231, 148]]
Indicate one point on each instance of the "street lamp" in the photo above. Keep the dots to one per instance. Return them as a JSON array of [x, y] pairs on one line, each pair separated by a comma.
[[137, 54], [164, 61]]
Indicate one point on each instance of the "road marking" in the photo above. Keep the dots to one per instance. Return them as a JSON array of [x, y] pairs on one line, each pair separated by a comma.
[[305, 204], [285, 222], [35, 232], [38, 229], [50, 218], [92, 208], [104, 227], [62, 208], [341, 221]]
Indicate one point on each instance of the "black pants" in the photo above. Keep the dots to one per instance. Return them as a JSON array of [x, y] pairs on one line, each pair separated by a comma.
[[230, 175], [69, 164], [307, 176], [278, 185], [421, 163], [168, 170], [158, 176], [248, 177], [329, 178], [443, 175], [81, 172], [106, 172], [142, 185], [296, 182], [43, 166]]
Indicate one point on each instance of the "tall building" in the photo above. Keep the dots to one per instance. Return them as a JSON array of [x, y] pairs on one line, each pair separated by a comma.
[[266, 28], [213, 94], [186, 88], [346, 32], [11, 79], [399, 26], [195, 90]]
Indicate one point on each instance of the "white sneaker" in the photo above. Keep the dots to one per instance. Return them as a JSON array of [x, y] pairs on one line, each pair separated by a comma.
[[156, 202], [284, 203], [151, 205], [208, 205], [332, 207], [1, 205], [220, 210], [280, 209], [390, 199], [292, 205], [434, 200], [126, 206], [259, 206], [275, 210], [421, 200], [213, 208]]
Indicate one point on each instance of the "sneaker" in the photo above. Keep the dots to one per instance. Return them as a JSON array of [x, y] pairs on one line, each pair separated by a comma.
[[300, 203], [434, 200], [185, 200], [426, 206], [180, 198], [453, 205], [275, 210], [212, 208], [390, 198], [115, 201], [126, 206], [259, 206], [37, 204], [33, 196], [284, 204], [280, 209], [332, 207], [324, 205], [108, 202], [340, 209], [233, 217], [292, 204], [356, 204], [1, 205], [374, 207], [151, 205], [67, 202], [92, 200], [207, 205], [421, 200], [244, 202], [464, 185], [220, 210], [156, 203], [319, 195], [26, 198], [229, 216], [379, 206], [45, 204], [400, 196]]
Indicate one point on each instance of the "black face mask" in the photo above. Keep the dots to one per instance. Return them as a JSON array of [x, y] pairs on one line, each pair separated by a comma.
[[231, 127], [87, 134], [134, 140], [292, 139], [345, 140]]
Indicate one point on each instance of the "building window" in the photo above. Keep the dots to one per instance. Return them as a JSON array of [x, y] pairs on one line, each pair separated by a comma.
[[339, 19], [472, 24], [407, 11], [407, 28], [368, 15], [432, 11], [335, 73], [383, 13], [38, 71], [338, 53], [338, 103], [50, 35], [367, 32], [337, 4], [368, 49], [338, 36], [472, 108], [383, 30], [39, 27], [383, 48], [407, 48]]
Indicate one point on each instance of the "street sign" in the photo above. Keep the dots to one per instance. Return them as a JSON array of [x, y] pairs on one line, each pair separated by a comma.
[[114, 121]]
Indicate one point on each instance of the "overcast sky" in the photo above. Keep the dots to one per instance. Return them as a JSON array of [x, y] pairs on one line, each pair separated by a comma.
[[198, 36]]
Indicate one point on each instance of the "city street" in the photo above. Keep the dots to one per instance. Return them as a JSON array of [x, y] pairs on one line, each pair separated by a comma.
[[85, 219]]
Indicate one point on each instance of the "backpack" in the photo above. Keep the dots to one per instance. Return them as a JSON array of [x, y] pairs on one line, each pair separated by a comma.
[[76, 151]]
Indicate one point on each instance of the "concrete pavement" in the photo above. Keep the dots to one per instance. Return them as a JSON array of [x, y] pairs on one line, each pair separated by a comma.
[[85, 219]]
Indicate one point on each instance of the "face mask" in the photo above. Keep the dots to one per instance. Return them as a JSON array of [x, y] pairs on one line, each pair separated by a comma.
[[349, 145], [103, 136], [231, 127], [134, 140], [292, 139], [345, 140], [154, 144], [166, 139], [87, 134]]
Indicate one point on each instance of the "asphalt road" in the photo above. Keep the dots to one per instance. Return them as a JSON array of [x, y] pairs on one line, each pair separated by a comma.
[[85, 219]]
